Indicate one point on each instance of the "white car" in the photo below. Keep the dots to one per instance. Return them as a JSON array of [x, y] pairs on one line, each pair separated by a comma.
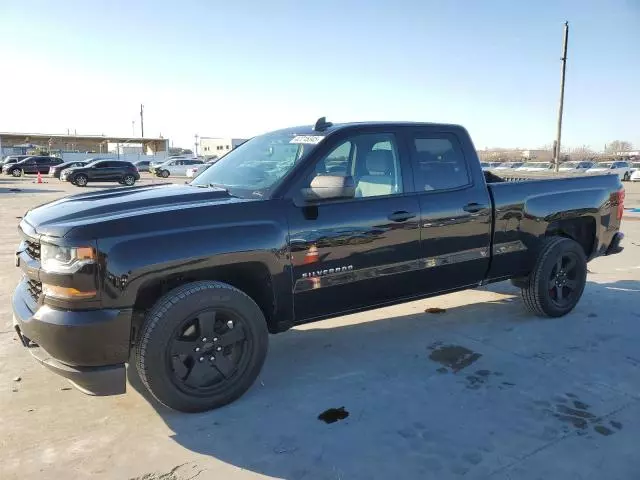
[[509, 165], [535, 167], [579, 167], [198, 169], [622, 169], [177, 167], [489, 165], [635, 173]]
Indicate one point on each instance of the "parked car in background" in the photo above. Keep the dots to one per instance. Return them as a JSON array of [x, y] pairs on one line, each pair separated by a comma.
[[489, 165], [35, 164], [55, 170], [198, 169], [160, 161], [582, 166], [119, 171], [142, 165], [176, 168], [9, 159], [535, 167], [620, 168], [635, 174], [509, 165]]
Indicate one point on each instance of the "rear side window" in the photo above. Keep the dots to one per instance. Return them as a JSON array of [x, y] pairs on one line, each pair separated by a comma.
[[438, 162]]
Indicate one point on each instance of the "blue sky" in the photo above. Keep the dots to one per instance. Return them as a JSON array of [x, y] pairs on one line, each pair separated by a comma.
[[239, 68]]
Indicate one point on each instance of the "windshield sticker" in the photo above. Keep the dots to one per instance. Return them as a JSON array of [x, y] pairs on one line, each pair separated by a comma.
[[310, 139]]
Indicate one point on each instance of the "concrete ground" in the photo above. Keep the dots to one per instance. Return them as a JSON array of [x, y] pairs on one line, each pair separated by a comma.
[[480, 390]]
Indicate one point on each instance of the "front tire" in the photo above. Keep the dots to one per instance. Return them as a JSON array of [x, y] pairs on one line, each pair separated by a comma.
[[81, 180], [202, 346], [16, 172], [558, 278]]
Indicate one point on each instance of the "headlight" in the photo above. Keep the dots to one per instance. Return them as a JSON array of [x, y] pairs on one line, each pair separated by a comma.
[[57, 259]]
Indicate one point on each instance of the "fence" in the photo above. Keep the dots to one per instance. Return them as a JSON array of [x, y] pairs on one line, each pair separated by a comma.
[[129, 157]]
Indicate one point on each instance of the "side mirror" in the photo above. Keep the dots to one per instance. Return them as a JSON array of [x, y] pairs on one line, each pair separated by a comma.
[[329, 187]]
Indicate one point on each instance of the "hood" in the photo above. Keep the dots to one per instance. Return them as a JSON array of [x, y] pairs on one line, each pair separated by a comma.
[[60, 216]]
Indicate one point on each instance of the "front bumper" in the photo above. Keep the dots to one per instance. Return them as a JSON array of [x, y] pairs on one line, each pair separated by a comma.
[[89, 348]]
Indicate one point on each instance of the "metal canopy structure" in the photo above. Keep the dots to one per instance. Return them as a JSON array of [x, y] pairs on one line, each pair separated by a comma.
[[78, 143]]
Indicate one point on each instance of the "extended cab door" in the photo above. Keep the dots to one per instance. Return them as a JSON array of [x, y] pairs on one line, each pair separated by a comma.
[[354, 253], [455, 208]]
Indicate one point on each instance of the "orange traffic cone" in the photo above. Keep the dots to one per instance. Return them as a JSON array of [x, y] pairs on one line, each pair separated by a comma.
[[39, 178]]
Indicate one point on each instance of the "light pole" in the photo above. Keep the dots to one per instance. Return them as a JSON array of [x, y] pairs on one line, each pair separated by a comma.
[[561, 105]]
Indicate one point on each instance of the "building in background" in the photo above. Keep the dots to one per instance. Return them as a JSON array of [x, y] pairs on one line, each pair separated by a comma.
[[75, 147], [212, 146]]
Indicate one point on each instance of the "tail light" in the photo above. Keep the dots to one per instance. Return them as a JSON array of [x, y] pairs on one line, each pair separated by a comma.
[[620, 202]]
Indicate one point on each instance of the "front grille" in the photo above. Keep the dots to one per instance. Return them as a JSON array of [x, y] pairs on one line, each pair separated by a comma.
[[33, 249], [35, 289]]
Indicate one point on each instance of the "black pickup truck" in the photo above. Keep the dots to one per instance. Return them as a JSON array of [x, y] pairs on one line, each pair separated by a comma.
[[301, 224]]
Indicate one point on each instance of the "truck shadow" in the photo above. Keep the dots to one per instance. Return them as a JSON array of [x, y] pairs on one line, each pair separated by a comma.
[[400, 400]]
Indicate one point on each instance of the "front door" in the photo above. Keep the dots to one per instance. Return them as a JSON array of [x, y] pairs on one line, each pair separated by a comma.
[[456, 213], [352, 254]]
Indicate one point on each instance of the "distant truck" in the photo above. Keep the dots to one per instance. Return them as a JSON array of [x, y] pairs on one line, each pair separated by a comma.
[[292, 227]]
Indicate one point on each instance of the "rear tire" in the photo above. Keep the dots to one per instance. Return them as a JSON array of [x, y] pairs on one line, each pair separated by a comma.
[[626, 177], [129, 180], [558, 278], [164, 173], [202, 346], [81, 180]]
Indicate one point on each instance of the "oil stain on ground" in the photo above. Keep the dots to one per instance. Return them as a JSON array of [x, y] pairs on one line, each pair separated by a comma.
[[484, 378], [577, 415], [332, 415], [454, 357]]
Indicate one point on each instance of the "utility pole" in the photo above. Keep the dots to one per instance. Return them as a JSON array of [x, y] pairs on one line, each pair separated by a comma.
[[133, 128], [561, 105], [142, 120], [196, 145]]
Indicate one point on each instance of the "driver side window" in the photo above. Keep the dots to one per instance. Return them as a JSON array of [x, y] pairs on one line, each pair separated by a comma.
[[371, 159]]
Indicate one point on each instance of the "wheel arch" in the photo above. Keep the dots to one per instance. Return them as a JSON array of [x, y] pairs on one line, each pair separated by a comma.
[[581, 229], [252, 278]]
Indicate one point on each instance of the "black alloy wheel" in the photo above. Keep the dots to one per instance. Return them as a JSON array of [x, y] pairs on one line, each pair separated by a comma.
[[563, 281], [207, 351], [557, 281], [202, 346]]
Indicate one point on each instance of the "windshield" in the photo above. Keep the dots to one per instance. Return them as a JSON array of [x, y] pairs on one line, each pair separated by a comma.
[[254, 168]]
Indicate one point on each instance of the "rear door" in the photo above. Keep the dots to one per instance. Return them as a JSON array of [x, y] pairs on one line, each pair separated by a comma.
[[355, 253], [116, 170], [455, 208], [99, 171]]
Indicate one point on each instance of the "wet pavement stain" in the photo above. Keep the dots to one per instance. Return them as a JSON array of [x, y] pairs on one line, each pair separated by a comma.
[[332, 415], [579, 417], [602, 430], [616, 425], [483, 377], [454, 357]]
